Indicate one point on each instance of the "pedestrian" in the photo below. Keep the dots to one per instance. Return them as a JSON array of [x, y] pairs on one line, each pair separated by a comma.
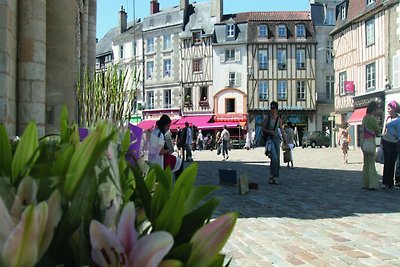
[[225, 139], [270, 128], [393, 128], [217, 143], [179, 141], [168, 141], [296, 136], [253, 139], [389, 144], [370, 130], [188, 139], [344, 140], [290, 141], [200, 141], [159, 153], [248, 141]]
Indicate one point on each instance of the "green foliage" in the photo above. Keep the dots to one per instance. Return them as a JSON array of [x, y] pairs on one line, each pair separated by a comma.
[[96, 181]]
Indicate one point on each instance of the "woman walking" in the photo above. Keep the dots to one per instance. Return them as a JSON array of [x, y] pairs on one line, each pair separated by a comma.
[[159, 153], [270, 128], [290, 142], [344, 140], [389, 143], [370, 131]]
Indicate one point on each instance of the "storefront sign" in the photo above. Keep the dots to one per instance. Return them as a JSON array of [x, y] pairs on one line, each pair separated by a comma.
[[231, 117], [349, 87], [286, 108], [364, 100]]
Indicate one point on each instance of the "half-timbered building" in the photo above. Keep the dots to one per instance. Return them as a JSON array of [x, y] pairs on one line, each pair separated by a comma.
[[281, 54], [360, 45]]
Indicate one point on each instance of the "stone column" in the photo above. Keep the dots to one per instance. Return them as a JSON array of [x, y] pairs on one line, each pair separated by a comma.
[[91, 63], [31, 64], [84, 19], [61, 66], [8, 64]]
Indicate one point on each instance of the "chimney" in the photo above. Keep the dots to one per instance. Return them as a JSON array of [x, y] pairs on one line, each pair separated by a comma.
[[217, 9], [122, 20], [154, 7], [184, 4]]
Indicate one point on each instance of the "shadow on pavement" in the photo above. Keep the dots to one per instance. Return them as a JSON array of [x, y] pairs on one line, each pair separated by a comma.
[[304, 193]]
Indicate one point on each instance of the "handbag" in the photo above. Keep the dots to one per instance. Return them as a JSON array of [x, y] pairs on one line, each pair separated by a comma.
[[368, 146], [380, 157], [286, 156], [268, 147]]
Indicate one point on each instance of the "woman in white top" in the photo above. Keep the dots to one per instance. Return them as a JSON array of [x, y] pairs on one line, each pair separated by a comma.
[[159, 153]]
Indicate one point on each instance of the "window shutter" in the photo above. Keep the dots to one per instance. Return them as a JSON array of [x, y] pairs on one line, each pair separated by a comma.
[[238, 79], [396, 71], [227, 79], [237, 55], [222, 56]]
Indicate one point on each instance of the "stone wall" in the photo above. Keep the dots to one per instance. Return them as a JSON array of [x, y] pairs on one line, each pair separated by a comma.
[[8, 64]]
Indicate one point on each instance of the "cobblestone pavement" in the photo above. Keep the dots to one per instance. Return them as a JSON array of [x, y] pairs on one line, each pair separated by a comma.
[[317, 216]]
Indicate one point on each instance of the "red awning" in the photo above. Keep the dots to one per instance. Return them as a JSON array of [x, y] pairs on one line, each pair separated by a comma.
[[147, 124], [197, 121], [219, 125], [357, 115]]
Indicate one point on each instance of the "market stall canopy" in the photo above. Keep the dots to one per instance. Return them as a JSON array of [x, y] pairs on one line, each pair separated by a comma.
[[357, 115]]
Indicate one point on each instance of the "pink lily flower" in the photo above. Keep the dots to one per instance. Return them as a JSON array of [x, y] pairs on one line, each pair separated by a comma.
[[124, 248]]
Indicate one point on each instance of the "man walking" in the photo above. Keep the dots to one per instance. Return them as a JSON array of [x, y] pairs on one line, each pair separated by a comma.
[[188, 137], [253, 139], [225, 138], [200, 141]]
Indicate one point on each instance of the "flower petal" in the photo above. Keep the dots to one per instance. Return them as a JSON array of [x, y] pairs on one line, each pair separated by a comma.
[[107, 250], [126, 228], [208, 241], [21, 248], [26, 195], [151, 249], [54, 216], [6, 224]]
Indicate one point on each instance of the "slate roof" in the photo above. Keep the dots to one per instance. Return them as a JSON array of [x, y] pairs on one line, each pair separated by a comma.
[[165, 18], [268, 16], [199, 17], [103, 46], [127, 36]]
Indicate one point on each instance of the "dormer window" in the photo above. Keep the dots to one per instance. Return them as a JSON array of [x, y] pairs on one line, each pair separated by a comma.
[[369, 2], [300, 31], [282, 33], [343, 12], [262, 31], [230, 30], [196, 37]]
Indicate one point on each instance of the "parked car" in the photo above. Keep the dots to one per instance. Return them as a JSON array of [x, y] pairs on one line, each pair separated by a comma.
[[316, 138]]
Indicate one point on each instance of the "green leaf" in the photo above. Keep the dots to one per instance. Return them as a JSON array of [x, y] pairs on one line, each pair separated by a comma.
[[160, 197], [186, 180], [171, 216], [125, 143], [219, 261], [171, 263], [7, 192], [196, 195], [5, 152], [64, 131], [181, 252], [143, 193], [26, 154], [195, 220], [63, 159]]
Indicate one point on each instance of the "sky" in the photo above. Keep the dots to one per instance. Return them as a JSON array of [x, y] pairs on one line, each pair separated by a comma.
[[107, 10]]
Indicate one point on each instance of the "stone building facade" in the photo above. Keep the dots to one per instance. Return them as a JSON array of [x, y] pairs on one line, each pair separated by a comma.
[[45, 46]]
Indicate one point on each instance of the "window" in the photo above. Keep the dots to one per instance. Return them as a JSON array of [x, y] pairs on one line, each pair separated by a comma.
[[196, 37], [150, 45], [121, 52], [301, 90], [188, 95], [230, 30], [370, 32], [396, 71], [301, 30], [282, 31], [330, 16], [342, 79], [203, 93], [229, 54], [229, 105], [329, 52], [149, 70], [134, 47], [232, 79], [197, 65], [343, 12], [262, 31], [300, 58], [167, 98], [167, 67], [263, 59], [330, 82], [150, 99], [370, 2], [282, 92], [167, 42], [263, 90], [281, 59], [370, 76]]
